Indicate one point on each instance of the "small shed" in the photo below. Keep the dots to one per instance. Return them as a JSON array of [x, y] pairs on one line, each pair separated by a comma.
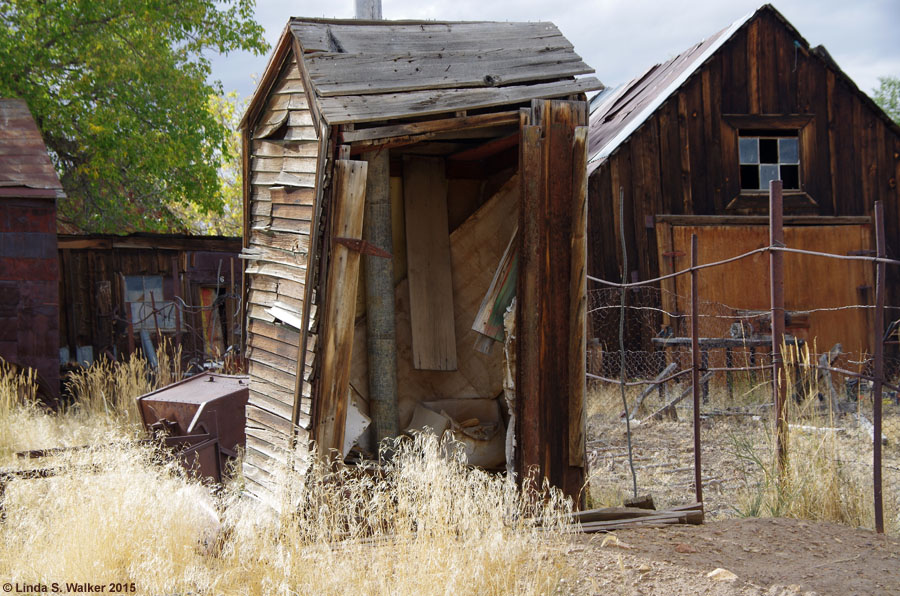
[[117, 290], [692, 142], [387, 167], [29, 188]]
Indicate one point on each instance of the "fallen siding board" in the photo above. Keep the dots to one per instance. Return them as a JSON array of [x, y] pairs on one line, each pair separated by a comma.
[[341, 284], [367, 108], [428, 261]]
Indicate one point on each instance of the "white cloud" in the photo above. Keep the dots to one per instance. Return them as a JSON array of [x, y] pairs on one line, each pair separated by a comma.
[[620, 38]]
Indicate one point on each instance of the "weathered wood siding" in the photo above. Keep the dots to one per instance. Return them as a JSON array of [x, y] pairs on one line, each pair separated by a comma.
[[284, 150], [92, 310], [684, 158]]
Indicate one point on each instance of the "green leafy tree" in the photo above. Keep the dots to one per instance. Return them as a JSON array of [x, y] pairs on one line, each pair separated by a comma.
[[888, 97], [228, 221], [119, 90]]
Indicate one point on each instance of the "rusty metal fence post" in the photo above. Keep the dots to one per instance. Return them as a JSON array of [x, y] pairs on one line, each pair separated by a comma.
[[776, 275], [695, 367], [879, 367]]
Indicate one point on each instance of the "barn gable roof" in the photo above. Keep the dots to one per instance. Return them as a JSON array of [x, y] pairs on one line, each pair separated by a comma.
[[617, 113], [25, 166], [363, 71]]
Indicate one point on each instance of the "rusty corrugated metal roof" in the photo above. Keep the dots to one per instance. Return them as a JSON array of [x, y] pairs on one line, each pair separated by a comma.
[[616, 114]]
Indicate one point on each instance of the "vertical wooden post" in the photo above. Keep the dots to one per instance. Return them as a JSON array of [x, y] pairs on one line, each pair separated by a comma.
[[776, 274], [341, 285], [547, 407], [578, 300], [379, 274], [695, 367], [880, 271]]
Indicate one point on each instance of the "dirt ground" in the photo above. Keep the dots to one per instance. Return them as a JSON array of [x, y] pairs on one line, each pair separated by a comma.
[[769, 557]]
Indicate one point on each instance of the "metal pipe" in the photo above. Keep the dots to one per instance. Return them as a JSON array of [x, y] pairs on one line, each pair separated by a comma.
[[776, 274], [369, 10], [695, 366], [878, 373], [379, 275]]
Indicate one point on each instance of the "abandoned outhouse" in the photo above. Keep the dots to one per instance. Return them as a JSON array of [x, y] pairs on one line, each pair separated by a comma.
[[692, 144], [29, 188], [388, 166]]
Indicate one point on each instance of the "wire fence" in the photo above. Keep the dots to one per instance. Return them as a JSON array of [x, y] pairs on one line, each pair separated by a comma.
[[833, 453], [208, 335]]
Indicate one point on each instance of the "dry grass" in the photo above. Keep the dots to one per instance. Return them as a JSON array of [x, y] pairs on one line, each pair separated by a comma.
[[427, 525], [828, 474]]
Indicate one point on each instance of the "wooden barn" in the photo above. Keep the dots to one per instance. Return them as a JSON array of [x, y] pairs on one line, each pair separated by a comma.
[[692, 144], [119, 292], [29, 188], [388, 165]]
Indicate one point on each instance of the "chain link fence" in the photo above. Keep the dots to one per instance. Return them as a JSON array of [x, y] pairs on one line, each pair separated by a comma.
[[640, 412]]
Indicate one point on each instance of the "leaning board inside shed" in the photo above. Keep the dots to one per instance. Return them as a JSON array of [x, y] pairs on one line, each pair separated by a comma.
[[384, 180]]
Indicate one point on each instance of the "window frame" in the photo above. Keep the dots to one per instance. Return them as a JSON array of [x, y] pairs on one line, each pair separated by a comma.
[[756, 200]]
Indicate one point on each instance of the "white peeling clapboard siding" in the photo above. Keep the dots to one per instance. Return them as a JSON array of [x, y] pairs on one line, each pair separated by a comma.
[[282, 192]]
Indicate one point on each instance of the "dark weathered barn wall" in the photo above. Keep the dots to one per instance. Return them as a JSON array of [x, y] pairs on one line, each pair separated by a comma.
[[92, 309], [684, 158], [28, 288]]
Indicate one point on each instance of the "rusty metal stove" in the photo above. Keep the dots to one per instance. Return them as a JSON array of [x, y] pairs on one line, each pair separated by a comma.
[[202, 418]]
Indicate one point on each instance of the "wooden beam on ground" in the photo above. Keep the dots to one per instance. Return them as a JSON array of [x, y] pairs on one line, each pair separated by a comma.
[[343, 277], [428, 258]]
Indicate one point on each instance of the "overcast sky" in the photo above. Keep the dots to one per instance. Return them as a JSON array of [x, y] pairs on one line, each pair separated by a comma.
[[620, 38]]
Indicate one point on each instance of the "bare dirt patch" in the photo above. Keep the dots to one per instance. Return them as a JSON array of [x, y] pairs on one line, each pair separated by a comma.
[[770, 557]]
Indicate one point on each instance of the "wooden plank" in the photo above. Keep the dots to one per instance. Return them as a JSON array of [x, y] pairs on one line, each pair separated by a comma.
[[753, 66], [292, 196], [314, 108], [428, 258], [428, 126], [528, 316], [368, 108], [297, 243], [475, 248], [278, 148], [578, 300], [341, 74], [341, 285], [383, 37]]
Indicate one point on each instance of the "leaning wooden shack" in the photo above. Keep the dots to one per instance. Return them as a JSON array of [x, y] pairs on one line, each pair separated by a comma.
[[391, 167]]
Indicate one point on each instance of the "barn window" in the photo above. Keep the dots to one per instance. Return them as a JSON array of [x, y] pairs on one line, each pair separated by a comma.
[[767, 155], [142, 293]]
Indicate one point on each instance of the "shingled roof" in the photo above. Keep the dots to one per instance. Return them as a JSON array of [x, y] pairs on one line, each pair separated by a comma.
[[362, 71], [25, 166]]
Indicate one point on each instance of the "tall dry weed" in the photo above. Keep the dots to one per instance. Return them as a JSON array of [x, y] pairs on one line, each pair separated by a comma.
[[121, 511]]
